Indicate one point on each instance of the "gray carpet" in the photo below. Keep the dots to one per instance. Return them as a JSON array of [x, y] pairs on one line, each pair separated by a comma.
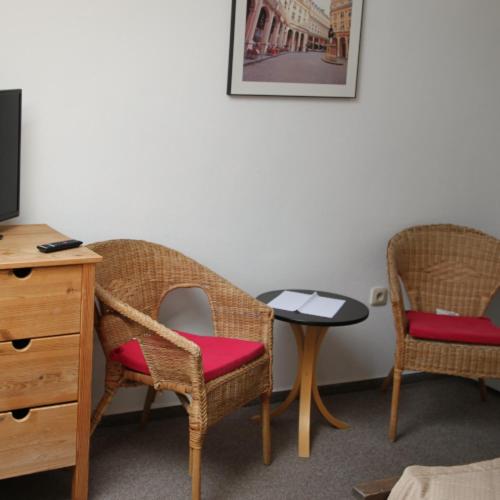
[[442, 422]]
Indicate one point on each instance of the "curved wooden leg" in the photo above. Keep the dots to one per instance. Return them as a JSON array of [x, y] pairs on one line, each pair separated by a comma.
[[150, 397], [266, 427], [333, 421], [387, 382], [483, 391], [109, 392], [294, 391], [307, 373], [393, 426]]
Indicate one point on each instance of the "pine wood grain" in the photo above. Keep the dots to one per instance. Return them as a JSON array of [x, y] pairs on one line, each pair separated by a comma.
[[43, 440], [18, 248], [81, 471], [46, 302], [51, 304], [45, 372]]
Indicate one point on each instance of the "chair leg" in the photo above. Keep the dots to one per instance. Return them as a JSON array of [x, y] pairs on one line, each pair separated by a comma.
[[266, 427], [396, 386], [196, 473], [483, 391], [150, 397], [109, 392], [190, 466], [387, 382]]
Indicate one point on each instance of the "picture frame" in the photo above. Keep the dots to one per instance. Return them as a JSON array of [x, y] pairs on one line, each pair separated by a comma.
[[301, 48]]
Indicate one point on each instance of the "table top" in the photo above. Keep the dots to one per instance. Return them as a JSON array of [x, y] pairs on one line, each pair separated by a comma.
[[18, 248], [350, 313]]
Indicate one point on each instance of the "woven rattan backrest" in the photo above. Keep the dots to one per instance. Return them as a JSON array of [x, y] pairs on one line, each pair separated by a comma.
[[140, 273], [448, 267]]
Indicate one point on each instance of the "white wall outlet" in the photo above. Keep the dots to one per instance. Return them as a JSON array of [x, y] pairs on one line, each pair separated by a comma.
[[378, 296]]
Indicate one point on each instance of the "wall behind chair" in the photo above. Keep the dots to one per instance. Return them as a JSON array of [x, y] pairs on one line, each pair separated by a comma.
[[127, 132]]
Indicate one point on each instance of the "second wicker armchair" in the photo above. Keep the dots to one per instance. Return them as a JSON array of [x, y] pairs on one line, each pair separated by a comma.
[[212, 376], [453, 269]]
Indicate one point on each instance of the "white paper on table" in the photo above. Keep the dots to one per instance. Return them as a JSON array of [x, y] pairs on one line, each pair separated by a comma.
[[289, 301], [307, 303], [325, 307]]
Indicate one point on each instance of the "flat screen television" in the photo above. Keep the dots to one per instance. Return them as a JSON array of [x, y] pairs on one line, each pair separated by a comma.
[[10, 152]]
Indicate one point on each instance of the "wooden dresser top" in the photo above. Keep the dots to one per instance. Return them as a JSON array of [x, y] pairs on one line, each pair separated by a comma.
[[18, 248]]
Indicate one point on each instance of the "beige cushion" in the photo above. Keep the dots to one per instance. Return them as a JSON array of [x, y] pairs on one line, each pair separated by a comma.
[[477, 481]]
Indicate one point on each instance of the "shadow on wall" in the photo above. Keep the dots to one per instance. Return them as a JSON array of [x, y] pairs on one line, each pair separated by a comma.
[[493, 310]]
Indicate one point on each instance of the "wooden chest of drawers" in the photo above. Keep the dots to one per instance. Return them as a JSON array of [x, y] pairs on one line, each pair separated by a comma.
[[46, 326]]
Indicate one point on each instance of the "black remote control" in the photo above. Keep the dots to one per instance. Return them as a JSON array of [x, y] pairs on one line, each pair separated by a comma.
[[59, 245]]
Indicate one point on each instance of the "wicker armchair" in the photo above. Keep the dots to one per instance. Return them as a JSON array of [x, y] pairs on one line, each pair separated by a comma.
[[132, 280], [449, 267]]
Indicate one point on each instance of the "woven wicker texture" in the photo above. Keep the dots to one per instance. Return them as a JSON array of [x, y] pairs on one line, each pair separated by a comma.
[[447, 267], [131, 282]]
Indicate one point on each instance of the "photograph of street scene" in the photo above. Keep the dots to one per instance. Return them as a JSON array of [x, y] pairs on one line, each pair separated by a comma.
[[297, 41]]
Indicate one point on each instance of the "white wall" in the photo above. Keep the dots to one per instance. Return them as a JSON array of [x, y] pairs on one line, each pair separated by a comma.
[[128, 133]]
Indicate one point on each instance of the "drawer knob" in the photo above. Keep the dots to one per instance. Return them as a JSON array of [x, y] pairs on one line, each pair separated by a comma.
[[22, 272], [21, 414], [21, 344]]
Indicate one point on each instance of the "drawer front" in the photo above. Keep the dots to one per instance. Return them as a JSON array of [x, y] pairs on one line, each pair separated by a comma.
[[43, 372], [44, 439], [44, 302]]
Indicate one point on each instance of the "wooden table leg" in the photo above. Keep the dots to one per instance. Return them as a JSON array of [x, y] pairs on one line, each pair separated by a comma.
[[307, 370], [294, 391], [335, 422], [308, 345]]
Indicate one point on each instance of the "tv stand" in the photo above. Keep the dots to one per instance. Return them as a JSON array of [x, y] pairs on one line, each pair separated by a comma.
[[46, 316]]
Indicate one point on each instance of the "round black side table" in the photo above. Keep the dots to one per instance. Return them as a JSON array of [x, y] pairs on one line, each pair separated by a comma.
[[309, 332]]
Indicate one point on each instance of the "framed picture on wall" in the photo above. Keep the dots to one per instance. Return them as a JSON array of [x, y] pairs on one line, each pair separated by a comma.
[[294, 47]]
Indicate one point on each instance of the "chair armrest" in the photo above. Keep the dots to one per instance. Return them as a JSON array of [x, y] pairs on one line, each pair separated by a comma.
[[146, 321], [171, 358]]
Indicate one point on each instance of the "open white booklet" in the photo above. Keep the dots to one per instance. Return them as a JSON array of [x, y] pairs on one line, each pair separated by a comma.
[[307, 303]]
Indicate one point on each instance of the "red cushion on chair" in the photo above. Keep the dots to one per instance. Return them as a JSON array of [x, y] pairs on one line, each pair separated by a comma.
[[466, 329], [218, 355]]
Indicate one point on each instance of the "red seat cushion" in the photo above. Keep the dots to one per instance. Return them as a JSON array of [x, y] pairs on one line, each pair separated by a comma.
[[466, 329], [218, 355]]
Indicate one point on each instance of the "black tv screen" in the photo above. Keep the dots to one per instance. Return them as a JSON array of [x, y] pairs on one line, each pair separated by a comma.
[[10, 152]]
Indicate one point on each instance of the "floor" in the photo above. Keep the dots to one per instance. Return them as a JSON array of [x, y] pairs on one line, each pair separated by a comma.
[[442, 422]]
